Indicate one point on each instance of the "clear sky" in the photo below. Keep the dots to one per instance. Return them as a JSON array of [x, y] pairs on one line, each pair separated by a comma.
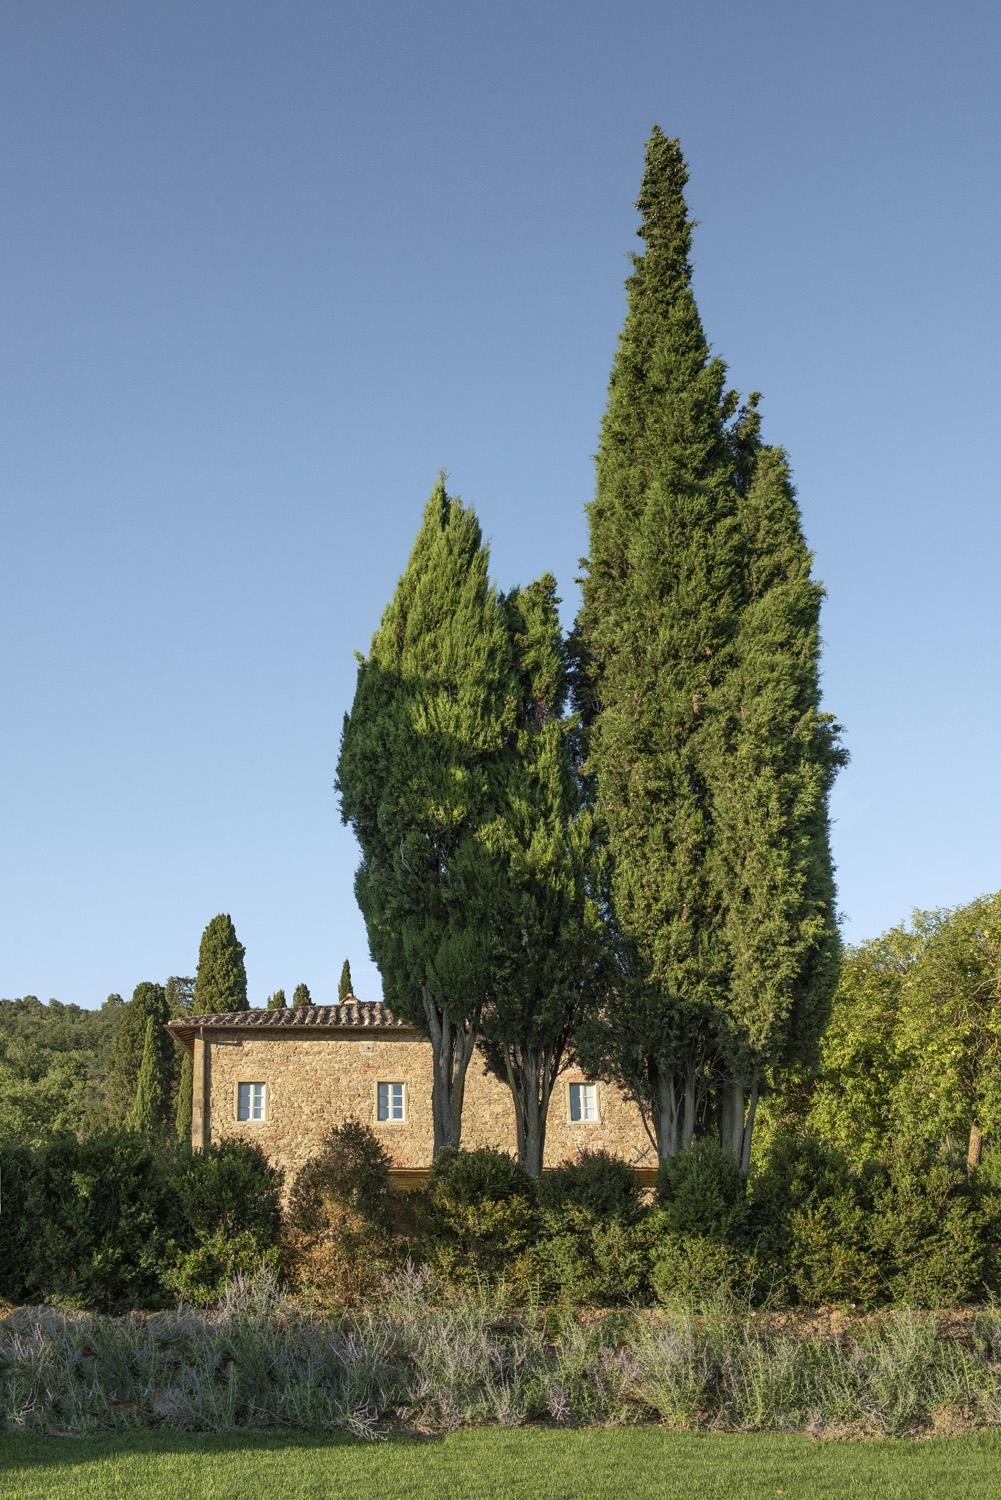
[[267, 267]]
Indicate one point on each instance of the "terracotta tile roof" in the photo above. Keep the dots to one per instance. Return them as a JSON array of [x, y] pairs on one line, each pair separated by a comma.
[[353, 1014]]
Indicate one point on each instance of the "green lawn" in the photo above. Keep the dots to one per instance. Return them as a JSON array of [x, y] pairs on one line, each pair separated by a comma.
[[537, 1465]]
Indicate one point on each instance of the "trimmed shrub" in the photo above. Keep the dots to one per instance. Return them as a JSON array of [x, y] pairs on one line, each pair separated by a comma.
[[483, 1176], [701, 1192], [17, 1230], [230, 1201], [478, 1213], [346, 1226], [103, 1213], [594, 1180], [584, 1259], [929, 1229], [809, 1226], [698, 1269]]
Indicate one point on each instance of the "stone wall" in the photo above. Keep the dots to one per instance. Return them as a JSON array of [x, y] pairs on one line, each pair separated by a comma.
[[315, 1081]]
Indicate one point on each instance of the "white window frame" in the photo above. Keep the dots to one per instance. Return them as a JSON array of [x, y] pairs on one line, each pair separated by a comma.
[[587, 1095], [257, 1099], [390, 1118]]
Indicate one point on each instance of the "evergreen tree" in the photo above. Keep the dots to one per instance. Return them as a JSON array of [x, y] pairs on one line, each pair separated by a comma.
[[301, 995], [182, 1107], [345, 988], [148, 1003], [149, 1108], [547, 969], [698, 642], [418, 771], [277, 1001], [221, 982]]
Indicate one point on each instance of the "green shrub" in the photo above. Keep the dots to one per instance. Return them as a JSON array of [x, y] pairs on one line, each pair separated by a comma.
[[17, 1230], [594, 1180], [478, 1213], [584, 1259], [230, 1188], [701, 1192], [483, 1176], [104, 1212], [200, 1277], [809, 1226], [929, 1228], [346, 1225], [697, 1269]]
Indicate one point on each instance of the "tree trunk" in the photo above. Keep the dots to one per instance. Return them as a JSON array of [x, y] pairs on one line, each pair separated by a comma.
[[665, 1111], [452, 1046], [737, 1110], [530, 1075], [975, 1147]]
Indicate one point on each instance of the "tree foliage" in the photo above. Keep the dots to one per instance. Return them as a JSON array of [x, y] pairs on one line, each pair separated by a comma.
[[150, 1106], [345, 987], [301, 995], [221, 982], [699, 681], [418, 777], [148, 1003]]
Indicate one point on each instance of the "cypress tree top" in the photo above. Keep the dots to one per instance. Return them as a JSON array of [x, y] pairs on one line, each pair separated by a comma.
[[221, 983], [345, 988]]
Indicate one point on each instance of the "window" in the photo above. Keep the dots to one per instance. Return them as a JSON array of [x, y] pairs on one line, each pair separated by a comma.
[[250, 1101], [584, 1103], [389, 1104]]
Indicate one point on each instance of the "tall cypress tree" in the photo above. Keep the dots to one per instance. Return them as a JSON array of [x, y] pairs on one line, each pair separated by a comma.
[[418, 779], [776, 758], [547, 970], [680, 652], [301, 995], [149, 1108], [148, 1003], [277, 1001], [345, 988], [221, 982]]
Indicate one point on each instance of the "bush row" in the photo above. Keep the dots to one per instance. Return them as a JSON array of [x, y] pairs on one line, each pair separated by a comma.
[[809, 1231], [108, 1223]]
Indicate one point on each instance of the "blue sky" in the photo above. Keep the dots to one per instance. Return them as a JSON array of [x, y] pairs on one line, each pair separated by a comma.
[[268, 267]]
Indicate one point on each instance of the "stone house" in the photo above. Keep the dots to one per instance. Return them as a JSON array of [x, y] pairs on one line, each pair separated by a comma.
[[284, 1078]]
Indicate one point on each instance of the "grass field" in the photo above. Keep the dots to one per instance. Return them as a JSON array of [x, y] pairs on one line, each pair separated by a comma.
[[544, 1465]]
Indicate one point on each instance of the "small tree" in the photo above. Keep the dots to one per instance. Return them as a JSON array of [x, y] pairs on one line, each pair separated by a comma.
[[221, 983], [432, 714], [182, 1109], [277, 1001], [548, 969], [148, 1003], [148, 1115], [301, 995], [345, 988]]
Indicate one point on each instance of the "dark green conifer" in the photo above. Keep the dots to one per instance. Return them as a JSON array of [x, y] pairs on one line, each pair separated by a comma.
[[182, 1107], [149, 1107], [277, 1001], [679, 657], [547, 971], [345, 988], [149, 1002], [418, 777], [301, 995], [221, 982]]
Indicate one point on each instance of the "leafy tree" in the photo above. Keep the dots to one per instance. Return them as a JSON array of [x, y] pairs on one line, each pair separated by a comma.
[[182, 1107], [301, 995], [148, 1003], [149, 1108], [221, 982], [277, 1001], [698, 647], [53, 1068], [547, 969], [345, 988], [433, 710], [913, 1049]]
